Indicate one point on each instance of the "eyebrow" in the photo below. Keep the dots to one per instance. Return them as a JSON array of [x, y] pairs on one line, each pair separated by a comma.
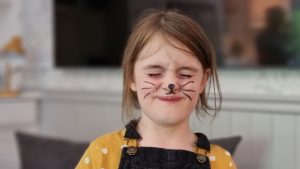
[[189, 68], [152, 67]]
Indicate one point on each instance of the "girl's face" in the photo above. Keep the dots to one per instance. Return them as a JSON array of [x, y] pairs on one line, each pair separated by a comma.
[[168, 81]]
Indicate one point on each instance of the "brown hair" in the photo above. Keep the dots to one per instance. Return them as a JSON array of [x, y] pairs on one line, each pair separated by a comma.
[[186, 31]]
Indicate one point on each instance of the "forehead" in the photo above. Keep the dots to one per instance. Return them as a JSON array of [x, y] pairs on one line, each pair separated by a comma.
[[163, 50], [159, 40]]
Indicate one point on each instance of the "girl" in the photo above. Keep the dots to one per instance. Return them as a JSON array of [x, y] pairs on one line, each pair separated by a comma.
[[168, 63]]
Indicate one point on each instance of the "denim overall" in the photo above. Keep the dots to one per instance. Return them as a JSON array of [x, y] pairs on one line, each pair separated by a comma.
[[134, 157]]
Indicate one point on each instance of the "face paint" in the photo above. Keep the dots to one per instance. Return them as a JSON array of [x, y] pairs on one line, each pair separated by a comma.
[[171, 89], [184, 90], [151, 89]]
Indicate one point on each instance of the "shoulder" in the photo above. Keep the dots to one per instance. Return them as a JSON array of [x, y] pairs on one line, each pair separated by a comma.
[[112, 140], [118, 135], [220, 158], [103, 152], [216, 149]]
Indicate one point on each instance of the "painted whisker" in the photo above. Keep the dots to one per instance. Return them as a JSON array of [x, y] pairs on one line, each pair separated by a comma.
[[149, 83], [153, 88], [187, 95], [147, 95], [188, 90], [187, 83]]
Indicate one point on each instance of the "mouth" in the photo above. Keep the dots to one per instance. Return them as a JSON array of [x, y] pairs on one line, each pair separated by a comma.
[[169, 98]]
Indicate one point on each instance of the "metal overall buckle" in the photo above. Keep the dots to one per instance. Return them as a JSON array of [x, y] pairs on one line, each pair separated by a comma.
[[131, 149]]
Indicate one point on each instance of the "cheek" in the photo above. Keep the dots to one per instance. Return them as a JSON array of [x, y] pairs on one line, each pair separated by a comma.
[[195, 96], [146, 82], [146, 86], [199, 85]]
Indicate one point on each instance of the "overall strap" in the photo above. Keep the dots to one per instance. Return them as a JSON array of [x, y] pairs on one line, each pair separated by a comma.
[[132, 137], [202, 141], [131, 132]]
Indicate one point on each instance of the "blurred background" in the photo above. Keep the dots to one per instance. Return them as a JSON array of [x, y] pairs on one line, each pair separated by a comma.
[[61, 85], [245, 33]]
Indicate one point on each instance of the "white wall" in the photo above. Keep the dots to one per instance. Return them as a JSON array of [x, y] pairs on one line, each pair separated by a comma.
[[10, 20]]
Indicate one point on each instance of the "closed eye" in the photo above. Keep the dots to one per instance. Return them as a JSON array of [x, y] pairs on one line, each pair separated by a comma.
[[154, 74], [185, 76]]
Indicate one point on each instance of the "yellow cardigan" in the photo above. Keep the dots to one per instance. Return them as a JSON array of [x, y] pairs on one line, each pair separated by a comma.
[[105, 153]]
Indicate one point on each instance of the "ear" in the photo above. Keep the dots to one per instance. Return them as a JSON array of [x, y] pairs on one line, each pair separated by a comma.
[[133, 86], [205, 77]]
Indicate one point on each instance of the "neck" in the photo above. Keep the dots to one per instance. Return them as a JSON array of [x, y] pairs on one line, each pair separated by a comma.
[[177, 136]]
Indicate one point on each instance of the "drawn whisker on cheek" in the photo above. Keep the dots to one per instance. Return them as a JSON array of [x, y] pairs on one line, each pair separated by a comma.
[[150, 89], [188, 90], [149, 83], [187, 83], [147, 95], [187, 95]]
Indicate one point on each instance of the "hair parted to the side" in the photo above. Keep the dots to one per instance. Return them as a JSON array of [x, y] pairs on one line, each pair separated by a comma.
[[177, 26]]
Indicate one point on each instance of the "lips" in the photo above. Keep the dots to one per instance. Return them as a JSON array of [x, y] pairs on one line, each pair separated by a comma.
[[169, 98]]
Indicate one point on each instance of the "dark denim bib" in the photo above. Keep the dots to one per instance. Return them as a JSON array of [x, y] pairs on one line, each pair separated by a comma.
[[158, 158]]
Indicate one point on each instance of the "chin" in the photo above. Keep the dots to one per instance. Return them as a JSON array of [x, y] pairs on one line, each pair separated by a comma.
[[170, 117], [172, 122]]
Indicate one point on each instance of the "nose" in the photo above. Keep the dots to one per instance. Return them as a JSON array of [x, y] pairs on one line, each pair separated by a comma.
[[170, 83], [171, 86], [171, 89]]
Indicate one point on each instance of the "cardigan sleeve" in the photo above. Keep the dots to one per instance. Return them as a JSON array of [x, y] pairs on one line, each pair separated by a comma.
[[221, 158], [103, 153], [91, 159]]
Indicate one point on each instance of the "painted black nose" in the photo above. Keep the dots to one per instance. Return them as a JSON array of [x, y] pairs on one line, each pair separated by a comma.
[[171, 86]]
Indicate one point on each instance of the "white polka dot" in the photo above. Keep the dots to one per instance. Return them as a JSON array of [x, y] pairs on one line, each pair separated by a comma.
[[212, 158], [86, 160], [227, 153], [123, 146], [230, 164], [104, 150]]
